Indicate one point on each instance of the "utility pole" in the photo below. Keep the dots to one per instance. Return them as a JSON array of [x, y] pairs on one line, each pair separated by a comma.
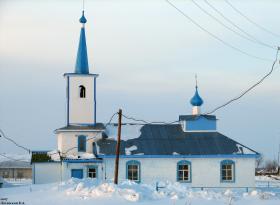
[[118, 147], [278, 165]]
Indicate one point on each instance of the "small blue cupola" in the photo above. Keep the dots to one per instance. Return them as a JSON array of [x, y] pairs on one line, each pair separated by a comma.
[[196, 101], [82, 59], [197, 122]]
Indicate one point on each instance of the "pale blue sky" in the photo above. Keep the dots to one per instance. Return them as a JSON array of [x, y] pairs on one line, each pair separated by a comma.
[[147, 55]]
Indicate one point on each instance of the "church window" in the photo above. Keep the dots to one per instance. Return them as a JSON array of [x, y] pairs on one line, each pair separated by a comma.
[[92, 171], [82, 91], [184, 171], [133, 170], [227, 171], [81, 143]]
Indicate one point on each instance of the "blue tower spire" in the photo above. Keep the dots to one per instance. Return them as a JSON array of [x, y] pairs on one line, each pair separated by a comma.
[[82, 59]]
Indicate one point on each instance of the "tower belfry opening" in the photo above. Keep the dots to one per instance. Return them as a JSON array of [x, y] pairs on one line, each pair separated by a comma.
[[82, 91]]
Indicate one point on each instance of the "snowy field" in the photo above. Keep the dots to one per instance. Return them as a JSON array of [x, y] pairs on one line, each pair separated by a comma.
[[89, 191]]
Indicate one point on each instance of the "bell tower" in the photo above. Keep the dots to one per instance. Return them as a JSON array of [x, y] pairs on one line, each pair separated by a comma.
[[81, 87]]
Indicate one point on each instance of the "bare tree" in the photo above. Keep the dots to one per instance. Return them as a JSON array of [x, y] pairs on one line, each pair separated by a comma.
[[271, 165]]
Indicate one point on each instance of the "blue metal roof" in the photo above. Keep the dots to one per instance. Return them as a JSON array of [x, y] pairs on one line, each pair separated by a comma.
[[83, 160], [196, 99], [170, 139], [196, 117], [82, 59]]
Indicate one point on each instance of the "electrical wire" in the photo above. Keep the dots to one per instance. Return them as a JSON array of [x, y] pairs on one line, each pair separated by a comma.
[[251, 21], [215, 36], [256, 41], [249, 89], [230, 21], [146, 122], [29, 150], [13, 141]]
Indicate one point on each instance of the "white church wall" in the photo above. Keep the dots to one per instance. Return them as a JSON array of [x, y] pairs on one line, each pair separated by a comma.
[[67, 167], [46, 172], [81, 110], [205, 172], [68, 140]]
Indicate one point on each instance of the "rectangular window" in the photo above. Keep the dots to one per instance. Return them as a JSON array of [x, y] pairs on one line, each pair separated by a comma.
[[227, 172], [92, 173], [183, 172], [133, 172]]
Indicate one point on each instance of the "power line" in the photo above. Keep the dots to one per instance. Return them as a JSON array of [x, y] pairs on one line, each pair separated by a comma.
[[229, 28], [250, 88], [230, 21], [146, 122], [13, 141], [29, 150], [250, 20], [216, 37], [12, 158]]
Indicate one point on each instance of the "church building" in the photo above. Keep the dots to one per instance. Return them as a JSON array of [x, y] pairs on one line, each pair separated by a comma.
[[191, 151]]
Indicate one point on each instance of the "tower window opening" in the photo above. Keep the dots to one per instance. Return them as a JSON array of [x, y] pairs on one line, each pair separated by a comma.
[[82, 90]]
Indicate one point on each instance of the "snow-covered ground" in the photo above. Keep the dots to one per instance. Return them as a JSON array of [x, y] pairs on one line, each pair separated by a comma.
[[88, 191]]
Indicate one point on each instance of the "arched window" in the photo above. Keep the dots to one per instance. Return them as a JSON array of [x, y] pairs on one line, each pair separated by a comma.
[[81, 143], [184, 171], [227, 171], [82, 91], [133, 170]]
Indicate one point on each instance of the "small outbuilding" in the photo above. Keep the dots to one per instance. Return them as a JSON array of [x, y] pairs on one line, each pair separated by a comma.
[[15, 170]]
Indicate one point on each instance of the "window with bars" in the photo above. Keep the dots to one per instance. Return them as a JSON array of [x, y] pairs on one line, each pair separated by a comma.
[[92, 172], [184, 171], [133, 170], [227, 171]]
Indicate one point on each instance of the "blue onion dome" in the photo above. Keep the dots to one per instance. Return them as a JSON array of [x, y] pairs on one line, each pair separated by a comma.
[[196, 99], [83, 18]]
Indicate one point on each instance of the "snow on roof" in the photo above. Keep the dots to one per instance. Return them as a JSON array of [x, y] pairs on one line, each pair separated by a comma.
[[128, 131], [81, 156], [243, 150], [20, 157], [54, 155], [130, 149]]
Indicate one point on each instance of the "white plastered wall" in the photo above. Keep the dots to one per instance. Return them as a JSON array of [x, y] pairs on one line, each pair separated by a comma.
[[68, 140], [46, 172], [81, 110], [205, 171]]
